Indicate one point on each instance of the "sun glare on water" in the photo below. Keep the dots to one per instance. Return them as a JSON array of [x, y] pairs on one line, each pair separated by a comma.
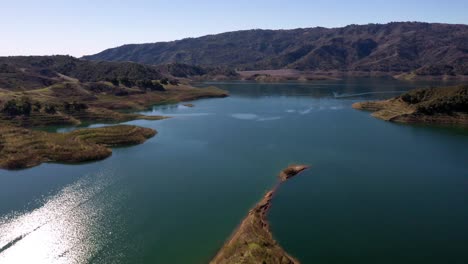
[[63, 230]]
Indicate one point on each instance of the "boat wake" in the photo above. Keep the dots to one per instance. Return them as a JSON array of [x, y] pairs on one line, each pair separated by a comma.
[[337, 95]]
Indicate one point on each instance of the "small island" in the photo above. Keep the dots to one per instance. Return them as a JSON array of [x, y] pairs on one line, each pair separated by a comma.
[[445, 106], [253, 241]]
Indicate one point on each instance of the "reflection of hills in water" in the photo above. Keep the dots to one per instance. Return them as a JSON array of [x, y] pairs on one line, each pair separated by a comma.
[[347, 88]]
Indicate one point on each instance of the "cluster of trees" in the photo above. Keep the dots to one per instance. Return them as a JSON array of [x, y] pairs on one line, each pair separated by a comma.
[[24, 107], [149, 85], [144, 84], [50, 109], [74, 106], [166, 81], [437, 100], [16, 107]]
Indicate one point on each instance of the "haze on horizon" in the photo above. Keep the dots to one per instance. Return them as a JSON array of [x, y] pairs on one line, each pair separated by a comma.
[[87, 27]]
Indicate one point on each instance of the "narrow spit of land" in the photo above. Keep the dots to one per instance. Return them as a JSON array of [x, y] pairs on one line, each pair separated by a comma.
[[253, 241]]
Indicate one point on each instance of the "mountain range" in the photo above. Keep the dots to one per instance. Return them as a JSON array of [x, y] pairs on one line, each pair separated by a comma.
[[398, 47]]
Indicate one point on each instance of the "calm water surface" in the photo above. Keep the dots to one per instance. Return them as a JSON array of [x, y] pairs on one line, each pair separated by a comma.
[[377, 192]]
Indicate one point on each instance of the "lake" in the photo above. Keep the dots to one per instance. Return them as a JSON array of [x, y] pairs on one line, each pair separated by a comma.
[[377, 192]]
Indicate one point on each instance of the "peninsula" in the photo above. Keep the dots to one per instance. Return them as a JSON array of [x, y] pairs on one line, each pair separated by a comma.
[[40, 91], [253, 242], [445, 105]]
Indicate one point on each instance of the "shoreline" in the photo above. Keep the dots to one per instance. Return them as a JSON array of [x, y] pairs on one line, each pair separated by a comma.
[[252, 241], [24, 143]]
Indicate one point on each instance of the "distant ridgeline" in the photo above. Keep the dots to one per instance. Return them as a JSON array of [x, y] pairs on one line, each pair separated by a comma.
[[406, 47]]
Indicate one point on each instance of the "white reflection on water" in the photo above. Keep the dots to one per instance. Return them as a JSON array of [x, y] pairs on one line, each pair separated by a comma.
[[249, 116], [245, 116], [269, 118], [66, 229], [308, 110]]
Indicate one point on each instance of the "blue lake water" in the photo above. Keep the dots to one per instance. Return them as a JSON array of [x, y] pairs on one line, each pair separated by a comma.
[[377, 192]]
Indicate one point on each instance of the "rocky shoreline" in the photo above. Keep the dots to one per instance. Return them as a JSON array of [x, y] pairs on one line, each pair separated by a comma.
[[253, 242]]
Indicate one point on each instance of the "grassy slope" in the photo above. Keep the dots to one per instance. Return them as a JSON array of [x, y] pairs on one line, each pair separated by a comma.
[[448, 105]]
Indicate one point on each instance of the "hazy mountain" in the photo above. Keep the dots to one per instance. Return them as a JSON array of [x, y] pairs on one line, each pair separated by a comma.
[[428, 49]]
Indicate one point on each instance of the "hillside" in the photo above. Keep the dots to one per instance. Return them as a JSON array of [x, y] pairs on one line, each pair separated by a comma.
[[62, 90], [446, 105], [420, 48], [30, 72]]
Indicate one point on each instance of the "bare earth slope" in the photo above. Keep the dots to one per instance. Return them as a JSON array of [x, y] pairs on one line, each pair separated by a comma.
[[253, 242], [447, 105]]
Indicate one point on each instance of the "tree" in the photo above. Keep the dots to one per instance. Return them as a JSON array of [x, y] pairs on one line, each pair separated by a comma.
[[164, 81], [126, 81], [74, 106], [10, 108], [37, 106], [79, 106], [157, 87], [50, 109], [26, 106], [67, 106], [149, 84], [114, 81]]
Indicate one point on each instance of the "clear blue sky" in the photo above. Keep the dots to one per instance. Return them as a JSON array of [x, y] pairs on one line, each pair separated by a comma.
[[79, 27]]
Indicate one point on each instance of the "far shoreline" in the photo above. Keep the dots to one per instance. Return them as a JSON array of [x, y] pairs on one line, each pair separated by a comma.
[[278, 75]]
